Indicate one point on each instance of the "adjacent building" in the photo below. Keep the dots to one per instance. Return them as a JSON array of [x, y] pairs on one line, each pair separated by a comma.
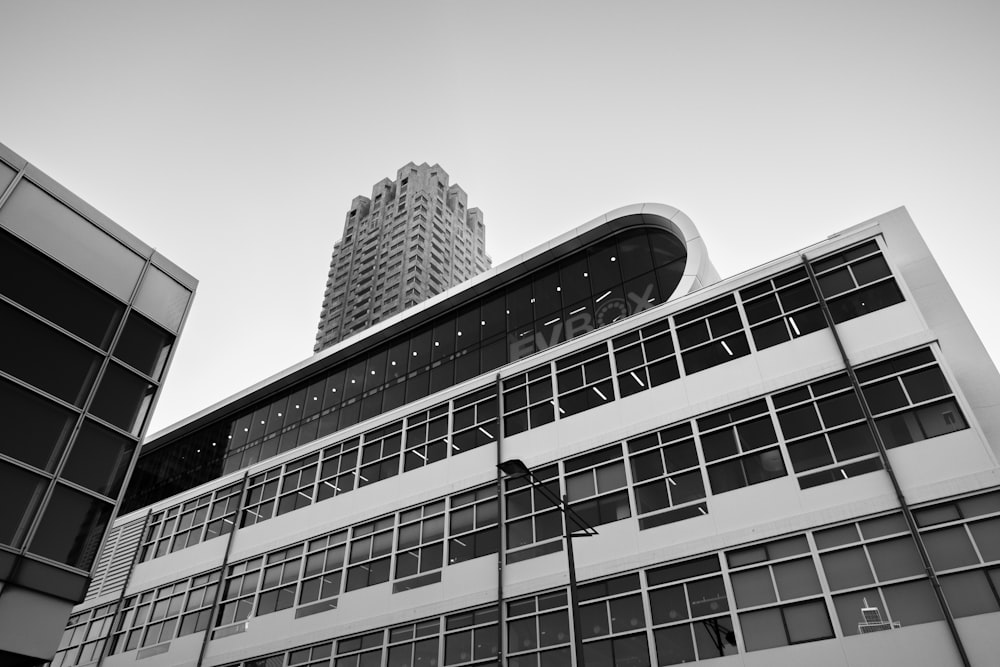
[[794, 465], [414, 238], [89, 315]]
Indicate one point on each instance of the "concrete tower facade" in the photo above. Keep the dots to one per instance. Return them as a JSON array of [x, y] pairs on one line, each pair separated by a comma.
[[412, 239]]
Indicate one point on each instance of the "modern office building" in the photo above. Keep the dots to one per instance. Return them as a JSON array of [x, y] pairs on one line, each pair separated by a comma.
[[414, 238], [794, 465], [88, 317]]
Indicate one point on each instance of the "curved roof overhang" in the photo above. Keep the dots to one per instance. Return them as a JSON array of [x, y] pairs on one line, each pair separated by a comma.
[[698, 273]]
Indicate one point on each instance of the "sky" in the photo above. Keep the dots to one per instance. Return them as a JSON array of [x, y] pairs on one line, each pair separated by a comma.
[[232, 136]]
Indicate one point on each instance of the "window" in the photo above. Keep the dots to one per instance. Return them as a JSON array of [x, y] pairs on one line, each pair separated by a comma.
[[281, 577], [596, 486], [314, 656], [414, 644], [690, 612], [612, 619], [323, 568], [788, 575], [238, 592], [470, 636], [380, 454], [532, 517], [473, 523], [645, 358], [370, 554], [856, 281], [527, 401], [83, 639], [157, 616], [584, 380], [337, 471], [203, 518], [361, 651], [737, 443], [782, 308], [825, 427], [475, 420], [420, 547], [666, 472], [538, 631], [876, 551], [297, 484], [711, 334], [261, 492], [426, 437]]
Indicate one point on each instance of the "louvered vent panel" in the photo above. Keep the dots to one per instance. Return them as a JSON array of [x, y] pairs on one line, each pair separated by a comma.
[[115, 560]]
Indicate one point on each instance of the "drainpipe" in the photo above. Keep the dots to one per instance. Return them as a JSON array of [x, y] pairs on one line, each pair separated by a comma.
[[884, 455]]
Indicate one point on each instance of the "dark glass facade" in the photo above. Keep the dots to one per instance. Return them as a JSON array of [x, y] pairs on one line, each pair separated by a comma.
[[80, 364], [612, 278]]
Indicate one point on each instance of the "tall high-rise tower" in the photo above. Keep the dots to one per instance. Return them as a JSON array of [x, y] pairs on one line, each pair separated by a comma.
[[414, 238]]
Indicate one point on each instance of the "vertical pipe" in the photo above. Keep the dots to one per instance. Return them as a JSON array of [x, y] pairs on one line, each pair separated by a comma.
[[222, 572], [884, 455], [574, 602], [502, 548]]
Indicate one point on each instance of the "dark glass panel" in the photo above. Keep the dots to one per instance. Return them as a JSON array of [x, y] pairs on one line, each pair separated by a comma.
[[494, 317], [144, 346], [59, 231], [674, 645], [796, 579], [770, 334], [807, 622], [665, 247], [313, 399], [835, 282], [763, 466], [912, 603], [46, 288], [969, 594], [809, 453], [865, 300], [636, 258], [669, 276], [641, 293], [807, 321], [849, 608], [122, 399], [20, 493], [885, 396], [762, 309], [926, 384], [257, 423], [443, 343], [375, 370], [839, 409], [950, 548], [71, 528], [753, 587], [45, 358], [99, 459], [354, 382], [870, 270], [547, 292], [852, 442], [603, 265], [763, 629], [895, 558], [799, 421], [37, 429], [397, 362], [467, 327], [519, 310], [726, 476]]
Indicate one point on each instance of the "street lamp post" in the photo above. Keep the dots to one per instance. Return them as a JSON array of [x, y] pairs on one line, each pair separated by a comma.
[[515, 468]]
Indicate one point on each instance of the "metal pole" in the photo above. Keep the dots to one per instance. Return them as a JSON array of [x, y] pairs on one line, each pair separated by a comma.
[[884, 455], [574, 602], [502, 542]]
